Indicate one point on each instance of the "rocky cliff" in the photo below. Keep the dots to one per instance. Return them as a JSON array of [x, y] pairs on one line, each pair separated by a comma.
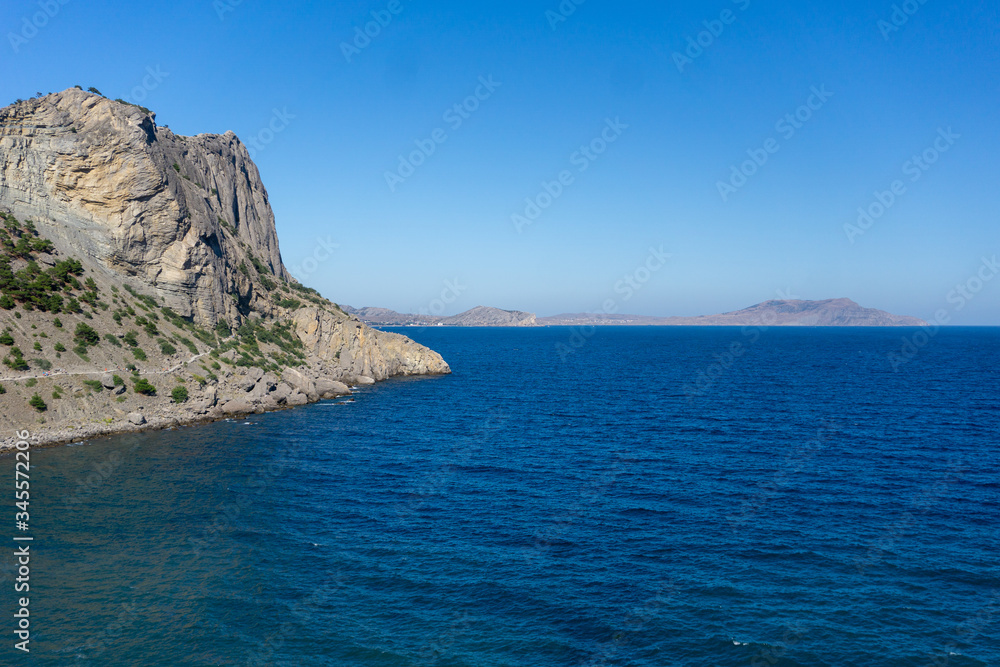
[[155, 240]]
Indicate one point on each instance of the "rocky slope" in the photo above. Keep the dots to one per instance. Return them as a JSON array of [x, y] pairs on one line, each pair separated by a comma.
[[828, 313], [155, 242]]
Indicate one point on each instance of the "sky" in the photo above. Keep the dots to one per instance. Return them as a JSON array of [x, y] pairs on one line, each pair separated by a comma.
[[567, 157]]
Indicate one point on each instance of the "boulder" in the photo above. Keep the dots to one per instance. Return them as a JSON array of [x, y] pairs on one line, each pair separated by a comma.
[[108, 380], [363, 380], [327, 388], [249, 381], [298, 380], [119, 390], [297, 398], [281, 392], [237, 407], [137, 418]]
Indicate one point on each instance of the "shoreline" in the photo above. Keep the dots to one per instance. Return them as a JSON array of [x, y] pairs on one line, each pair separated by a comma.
[[63, 436]]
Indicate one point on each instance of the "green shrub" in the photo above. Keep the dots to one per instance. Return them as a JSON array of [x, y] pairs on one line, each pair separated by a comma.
[[16, 360], [3, 389], [6, 338], [179, 394], [86, 335], [113, 339], [44, 364], [59, 347], [166, 348], [37, 347], [31, 382], [94, 384], [57, 323], [37, 403], [188, 343], [142, 386], [139, 353], [118, 380], [131, 338]]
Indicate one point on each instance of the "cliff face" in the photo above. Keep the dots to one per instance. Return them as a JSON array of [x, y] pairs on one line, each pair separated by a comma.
[[127, 248], [177, 214]]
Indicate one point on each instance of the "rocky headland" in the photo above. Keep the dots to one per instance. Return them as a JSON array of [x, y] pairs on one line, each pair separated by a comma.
[[142, 285]]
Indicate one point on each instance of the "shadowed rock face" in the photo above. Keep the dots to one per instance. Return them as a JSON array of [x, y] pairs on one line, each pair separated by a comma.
[[98, 178]]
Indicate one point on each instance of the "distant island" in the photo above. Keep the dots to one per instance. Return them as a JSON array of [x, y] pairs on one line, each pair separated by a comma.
[[778, 313]]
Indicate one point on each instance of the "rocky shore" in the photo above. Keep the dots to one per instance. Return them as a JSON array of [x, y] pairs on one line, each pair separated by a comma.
[[142, 286]]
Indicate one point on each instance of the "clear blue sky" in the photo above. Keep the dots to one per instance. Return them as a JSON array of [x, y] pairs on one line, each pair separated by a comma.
[[656, 184]]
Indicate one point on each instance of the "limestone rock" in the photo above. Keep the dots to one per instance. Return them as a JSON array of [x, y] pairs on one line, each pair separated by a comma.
[[137, 418], [250, 380], [327, 388], [237, 407], [357, 349], [108, 380], [299, 381], [297, 398], [281, 392]]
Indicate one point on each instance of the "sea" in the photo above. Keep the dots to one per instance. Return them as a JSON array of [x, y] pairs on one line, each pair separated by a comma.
[[567, 497]]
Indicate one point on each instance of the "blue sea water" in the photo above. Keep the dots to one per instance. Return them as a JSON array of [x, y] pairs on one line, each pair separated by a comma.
[[618, 496]]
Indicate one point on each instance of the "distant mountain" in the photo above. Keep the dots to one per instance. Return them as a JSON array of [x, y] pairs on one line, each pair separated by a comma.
[[828, 313], [480, 316]]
